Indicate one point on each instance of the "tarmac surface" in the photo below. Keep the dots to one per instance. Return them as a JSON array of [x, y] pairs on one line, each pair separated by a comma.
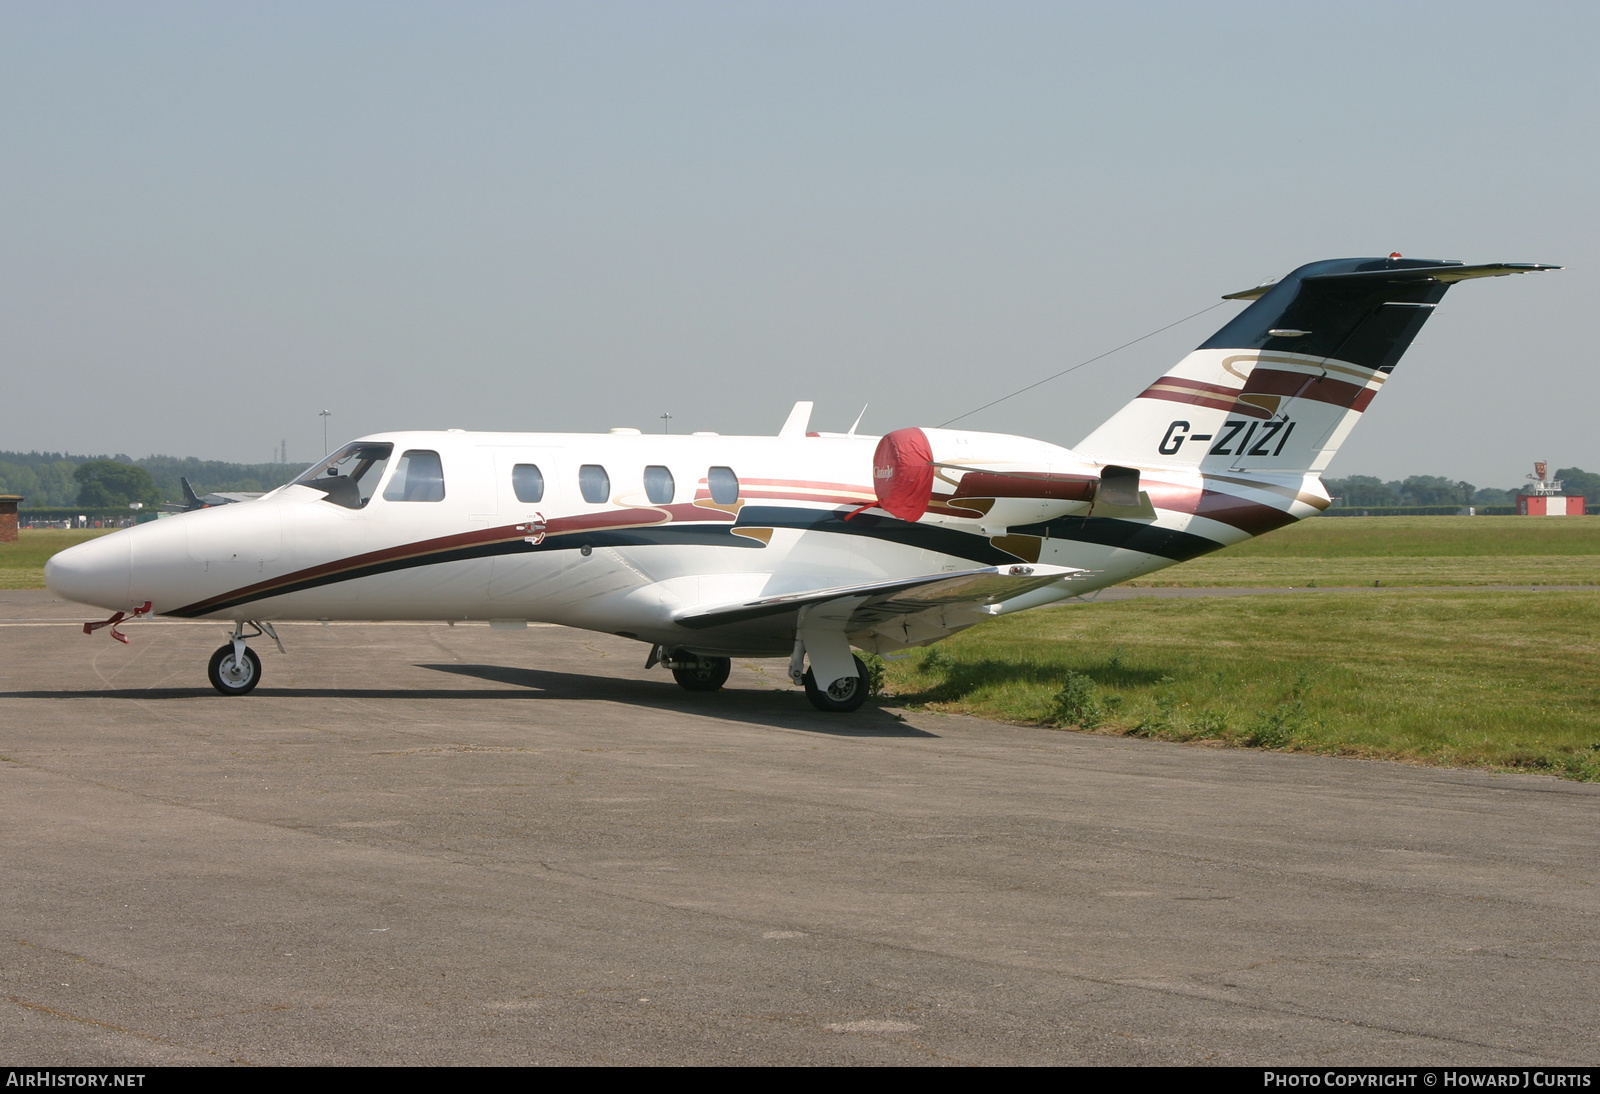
[[420, 844]]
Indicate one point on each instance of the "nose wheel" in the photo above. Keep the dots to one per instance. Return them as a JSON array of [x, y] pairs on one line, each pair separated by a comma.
[[235, 669], [233, 674]]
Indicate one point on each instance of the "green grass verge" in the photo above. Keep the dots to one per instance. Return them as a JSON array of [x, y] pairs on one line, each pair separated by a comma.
[[22, 562], [1392, 537], [1230, 571], [1504, 680], [1404, 551]]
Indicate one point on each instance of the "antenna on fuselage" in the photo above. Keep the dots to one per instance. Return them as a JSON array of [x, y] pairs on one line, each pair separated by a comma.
[[794, 426], [857, 422]]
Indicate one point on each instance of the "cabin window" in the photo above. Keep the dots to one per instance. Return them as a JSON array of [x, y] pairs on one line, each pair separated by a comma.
[[419, 476], [658, 485], [724, 485], [349, 476], [594, 483], [527, 481]]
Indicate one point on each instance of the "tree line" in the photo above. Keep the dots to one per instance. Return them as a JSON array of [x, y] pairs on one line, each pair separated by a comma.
[[54, 479], [1369, 491]]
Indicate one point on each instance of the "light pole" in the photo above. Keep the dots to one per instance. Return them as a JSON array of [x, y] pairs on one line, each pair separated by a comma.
[[666, 423], [325, 415]]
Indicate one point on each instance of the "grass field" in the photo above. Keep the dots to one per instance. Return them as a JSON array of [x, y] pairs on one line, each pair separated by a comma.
[[1430, 537], [22, 563], [1479, 677], [1404, 551]]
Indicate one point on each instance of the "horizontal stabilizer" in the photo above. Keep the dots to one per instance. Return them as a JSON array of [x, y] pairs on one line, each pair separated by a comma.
[[1448, 274], [885, 599]]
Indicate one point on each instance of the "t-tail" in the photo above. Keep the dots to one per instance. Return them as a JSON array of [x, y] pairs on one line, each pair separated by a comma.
[[1280, 387]]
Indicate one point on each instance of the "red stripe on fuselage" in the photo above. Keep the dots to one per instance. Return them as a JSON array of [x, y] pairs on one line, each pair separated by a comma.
[[419, 549], [614, 518], [1249, 516]]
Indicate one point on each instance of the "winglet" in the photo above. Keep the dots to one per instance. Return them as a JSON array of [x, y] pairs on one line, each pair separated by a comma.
[[794, 427]]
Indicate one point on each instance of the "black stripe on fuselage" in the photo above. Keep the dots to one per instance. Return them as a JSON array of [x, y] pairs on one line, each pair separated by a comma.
[[929, 537], [689, 535], [1128, 535], [1106, 531], [1149, 539]]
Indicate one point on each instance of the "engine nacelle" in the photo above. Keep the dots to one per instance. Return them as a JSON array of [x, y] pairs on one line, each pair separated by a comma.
[[993, 479]]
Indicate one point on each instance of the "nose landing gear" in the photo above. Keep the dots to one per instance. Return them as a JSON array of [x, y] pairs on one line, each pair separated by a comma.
[[235, 669]]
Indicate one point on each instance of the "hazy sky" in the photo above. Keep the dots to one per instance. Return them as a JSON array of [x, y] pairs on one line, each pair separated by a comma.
[[220, 219]]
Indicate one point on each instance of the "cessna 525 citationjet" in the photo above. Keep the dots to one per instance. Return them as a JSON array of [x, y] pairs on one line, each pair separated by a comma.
[[805, 544]]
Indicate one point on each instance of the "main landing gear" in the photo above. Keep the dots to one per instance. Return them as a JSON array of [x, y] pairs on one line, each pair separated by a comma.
[[692, 671], [698, 672], [843, 695], [235, 669]]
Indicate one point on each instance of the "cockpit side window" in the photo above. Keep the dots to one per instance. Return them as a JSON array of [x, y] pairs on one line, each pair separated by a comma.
[[419, 476], [350, 475]]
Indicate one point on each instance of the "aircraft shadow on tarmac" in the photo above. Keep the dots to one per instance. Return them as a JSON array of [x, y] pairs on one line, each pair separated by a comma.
[[786, 708], [782, 709]]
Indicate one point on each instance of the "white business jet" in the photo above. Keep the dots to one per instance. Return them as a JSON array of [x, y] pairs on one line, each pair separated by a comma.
[[805, 544]]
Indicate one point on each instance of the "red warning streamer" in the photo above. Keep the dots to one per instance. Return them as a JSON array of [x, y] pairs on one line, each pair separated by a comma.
[[90, 628]]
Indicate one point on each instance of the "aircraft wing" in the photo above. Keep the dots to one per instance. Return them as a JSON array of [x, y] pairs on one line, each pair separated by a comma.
[[876, 602], [191, 500]]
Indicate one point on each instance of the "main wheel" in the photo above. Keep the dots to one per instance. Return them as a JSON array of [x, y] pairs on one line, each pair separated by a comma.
[[231, 676], [843, 696], [706, 674]]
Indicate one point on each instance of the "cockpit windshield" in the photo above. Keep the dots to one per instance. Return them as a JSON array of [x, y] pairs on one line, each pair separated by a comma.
[[350, 476]]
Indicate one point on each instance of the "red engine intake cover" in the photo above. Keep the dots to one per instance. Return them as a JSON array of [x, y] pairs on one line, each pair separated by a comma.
[[902, 473]]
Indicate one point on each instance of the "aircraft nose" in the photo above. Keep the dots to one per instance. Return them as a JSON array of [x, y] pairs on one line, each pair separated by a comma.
[[97, 572]]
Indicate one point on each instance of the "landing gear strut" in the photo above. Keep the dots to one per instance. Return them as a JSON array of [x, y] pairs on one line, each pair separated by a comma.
[[235, 669]]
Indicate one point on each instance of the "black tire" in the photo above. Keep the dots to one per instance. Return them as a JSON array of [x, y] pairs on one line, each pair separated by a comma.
[[707, 674], [844, 696], [229, 680]]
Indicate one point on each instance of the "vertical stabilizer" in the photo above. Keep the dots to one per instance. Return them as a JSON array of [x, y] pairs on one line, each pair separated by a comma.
[[1280, 387]]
